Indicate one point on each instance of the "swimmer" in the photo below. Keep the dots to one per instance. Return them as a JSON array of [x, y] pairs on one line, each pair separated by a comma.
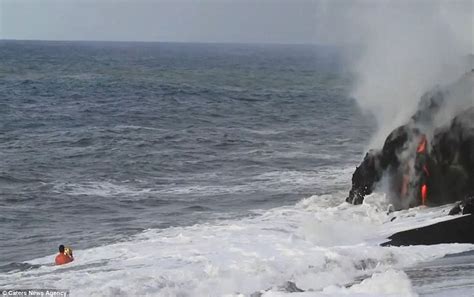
[[64, 256]]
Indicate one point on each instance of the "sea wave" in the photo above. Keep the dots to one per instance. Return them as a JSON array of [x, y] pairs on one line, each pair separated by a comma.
[[322, 245]]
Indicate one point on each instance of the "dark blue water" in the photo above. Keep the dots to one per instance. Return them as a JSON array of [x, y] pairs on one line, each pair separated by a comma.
[[99, 141]]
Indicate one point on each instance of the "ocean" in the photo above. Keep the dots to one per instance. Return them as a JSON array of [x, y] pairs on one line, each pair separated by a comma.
[[177, 169]]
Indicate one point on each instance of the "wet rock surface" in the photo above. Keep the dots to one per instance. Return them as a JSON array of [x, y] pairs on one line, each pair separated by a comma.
[[424, 162]]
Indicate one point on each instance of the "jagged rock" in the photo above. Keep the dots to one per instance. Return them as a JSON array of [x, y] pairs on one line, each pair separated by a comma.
[[290, 287], [419, 170]]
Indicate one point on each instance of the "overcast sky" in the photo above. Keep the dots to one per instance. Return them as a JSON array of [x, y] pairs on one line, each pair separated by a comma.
[[262, 21], [282, 21]]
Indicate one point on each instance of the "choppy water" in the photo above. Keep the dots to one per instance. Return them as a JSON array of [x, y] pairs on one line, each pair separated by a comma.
[[103, 140], [190, 170]]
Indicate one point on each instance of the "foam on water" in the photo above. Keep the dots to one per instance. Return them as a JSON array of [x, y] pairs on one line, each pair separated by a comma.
[[270, 181], [101, 189], [389, 283], [326, 247]]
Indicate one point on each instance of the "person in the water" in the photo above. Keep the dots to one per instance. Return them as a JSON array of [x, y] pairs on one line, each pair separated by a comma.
[[64, 256]]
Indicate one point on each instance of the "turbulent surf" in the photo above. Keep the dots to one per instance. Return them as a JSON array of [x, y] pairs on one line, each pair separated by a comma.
[[202, 170]]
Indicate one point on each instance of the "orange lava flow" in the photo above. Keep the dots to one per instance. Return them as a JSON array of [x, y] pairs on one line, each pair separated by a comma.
[[422, 146], [424, 194]]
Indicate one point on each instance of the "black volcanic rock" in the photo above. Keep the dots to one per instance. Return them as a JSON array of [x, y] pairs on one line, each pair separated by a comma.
[[456, 230], [422, 170]]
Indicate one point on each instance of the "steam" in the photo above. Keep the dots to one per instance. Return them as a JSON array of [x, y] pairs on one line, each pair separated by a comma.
[[398, 50]]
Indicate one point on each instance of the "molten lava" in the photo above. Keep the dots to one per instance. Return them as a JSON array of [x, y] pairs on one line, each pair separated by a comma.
[[424, 194], [422, 146], [421, 149]]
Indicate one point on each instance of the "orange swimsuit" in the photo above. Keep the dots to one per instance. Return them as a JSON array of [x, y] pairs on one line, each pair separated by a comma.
[[62, 259]]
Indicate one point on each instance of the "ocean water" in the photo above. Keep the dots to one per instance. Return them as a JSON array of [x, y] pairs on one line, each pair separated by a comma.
[[196, 170]]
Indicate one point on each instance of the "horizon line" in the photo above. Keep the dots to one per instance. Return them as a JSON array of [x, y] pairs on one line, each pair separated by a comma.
[[170, 41]]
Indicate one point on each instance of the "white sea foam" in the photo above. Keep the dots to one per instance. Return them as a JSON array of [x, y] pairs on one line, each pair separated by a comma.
[[391, 283], [320, 244], [95, 188], [270, 181]]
